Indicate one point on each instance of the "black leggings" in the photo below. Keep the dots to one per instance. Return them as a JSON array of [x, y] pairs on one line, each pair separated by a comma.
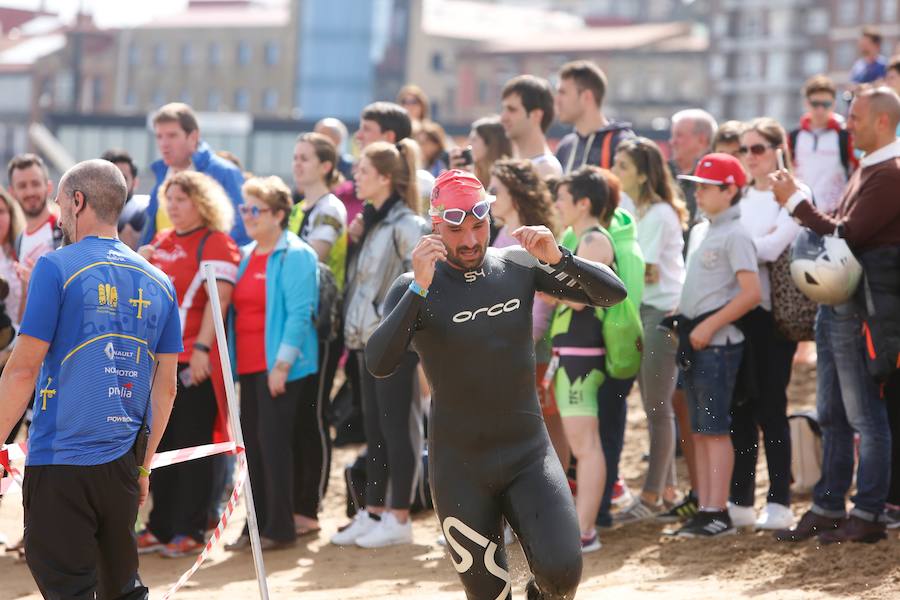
[[181, 492], [537, 503], [393, 424], [773, 356], [312, 442], [268, 425]]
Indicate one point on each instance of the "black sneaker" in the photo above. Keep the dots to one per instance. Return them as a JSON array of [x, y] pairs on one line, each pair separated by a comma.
[[707, 525], [684, 510]]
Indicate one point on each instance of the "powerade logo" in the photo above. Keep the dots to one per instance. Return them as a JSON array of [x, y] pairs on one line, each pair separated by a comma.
[[113, 354], [120, 372], [490, 311]]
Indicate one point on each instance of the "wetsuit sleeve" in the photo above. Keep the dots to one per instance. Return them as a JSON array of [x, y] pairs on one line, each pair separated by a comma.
[[579, 280], [391, 338]]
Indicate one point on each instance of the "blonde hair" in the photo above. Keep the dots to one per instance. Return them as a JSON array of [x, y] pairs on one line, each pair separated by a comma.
[[207, 195], [273, 192], [397, 161], [16, 219]]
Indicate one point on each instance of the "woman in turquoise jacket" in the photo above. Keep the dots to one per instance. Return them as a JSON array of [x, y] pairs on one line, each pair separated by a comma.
[[274, 307]]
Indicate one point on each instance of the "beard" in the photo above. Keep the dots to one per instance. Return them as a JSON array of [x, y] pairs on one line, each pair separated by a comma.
[[33, 207], [471, 261]]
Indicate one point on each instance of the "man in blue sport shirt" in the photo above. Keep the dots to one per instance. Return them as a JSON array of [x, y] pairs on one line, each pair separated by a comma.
[[100, 336]]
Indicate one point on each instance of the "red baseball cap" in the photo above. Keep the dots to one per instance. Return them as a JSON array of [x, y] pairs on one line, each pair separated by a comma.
[[719, 169], [455, 189]]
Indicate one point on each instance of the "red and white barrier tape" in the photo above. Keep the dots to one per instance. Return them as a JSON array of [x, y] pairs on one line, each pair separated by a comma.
[[173, 457], [220, 528]]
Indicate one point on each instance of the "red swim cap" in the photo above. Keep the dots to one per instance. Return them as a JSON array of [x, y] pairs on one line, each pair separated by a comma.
[[454, 189]]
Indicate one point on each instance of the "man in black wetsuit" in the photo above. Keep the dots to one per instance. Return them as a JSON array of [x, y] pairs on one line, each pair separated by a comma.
[[466, 309]]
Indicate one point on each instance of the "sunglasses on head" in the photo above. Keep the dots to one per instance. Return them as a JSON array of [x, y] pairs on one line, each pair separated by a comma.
[[821, 103], [456, 216], [253, 211], [755, 149]]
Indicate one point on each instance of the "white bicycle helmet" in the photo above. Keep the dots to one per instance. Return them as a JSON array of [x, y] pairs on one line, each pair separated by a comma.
[[824, 268]]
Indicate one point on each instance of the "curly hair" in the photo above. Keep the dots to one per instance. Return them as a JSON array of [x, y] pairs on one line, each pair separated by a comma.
[[273, 192], [529, 193], [211, 201]]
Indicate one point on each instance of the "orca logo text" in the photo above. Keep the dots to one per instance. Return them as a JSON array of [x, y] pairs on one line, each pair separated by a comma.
[[491, 311]]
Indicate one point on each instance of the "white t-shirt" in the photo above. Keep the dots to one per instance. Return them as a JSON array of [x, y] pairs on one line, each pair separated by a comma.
[[818, 157], [547, 164], [627, 203], [326, 221], [661, 240], [36, 244], [772, 229]]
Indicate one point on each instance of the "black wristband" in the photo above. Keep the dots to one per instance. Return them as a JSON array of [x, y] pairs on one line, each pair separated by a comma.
[[202, 347]]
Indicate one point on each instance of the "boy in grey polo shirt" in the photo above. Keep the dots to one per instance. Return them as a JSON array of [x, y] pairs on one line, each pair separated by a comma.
[[721, 286]]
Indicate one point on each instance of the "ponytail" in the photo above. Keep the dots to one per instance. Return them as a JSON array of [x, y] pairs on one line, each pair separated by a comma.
[[397, 161]]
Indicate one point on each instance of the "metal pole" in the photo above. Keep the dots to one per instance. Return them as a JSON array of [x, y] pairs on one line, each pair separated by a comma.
[[233, 417]]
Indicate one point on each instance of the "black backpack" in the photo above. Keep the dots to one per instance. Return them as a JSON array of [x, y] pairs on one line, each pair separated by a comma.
[[328, 317]]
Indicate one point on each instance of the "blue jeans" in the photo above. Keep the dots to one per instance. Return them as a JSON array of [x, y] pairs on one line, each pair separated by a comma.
[[848, 401], [612, 410]]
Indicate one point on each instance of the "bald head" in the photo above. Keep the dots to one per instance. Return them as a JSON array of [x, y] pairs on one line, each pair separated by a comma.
[[883, 101], [102, 185], [334, 129]]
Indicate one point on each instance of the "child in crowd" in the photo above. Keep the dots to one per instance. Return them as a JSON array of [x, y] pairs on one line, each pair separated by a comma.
[[721, 286]]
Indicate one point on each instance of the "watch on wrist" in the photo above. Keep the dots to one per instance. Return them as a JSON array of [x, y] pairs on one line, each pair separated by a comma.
[[202, 347], [563, 261]]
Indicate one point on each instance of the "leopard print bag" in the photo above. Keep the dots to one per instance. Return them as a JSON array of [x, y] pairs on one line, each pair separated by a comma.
[[793, 312]]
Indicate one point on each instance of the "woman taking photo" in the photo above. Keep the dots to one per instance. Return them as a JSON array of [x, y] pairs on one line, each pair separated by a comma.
[[320, 220], [488, 143], [201, 215], [274, 309], [521, 198], [385, 178], [661, 221], [773, 230]]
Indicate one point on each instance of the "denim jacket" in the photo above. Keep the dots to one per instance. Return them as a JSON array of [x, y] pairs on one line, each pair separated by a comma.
[[292, 297]]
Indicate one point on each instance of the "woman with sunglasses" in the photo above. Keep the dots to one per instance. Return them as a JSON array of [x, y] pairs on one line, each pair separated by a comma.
[[661, 221], [773, 230], [522, 198], [274, 353], [386, 180], [201, 215]]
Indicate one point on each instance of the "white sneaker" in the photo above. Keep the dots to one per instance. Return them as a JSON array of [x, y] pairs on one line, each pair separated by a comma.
[[742, 516], [361, 524], [387, 532], [775, 516]]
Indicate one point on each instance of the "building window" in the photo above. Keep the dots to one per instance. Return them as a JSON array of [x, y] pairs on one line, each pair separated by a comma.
[[847, 11], [187, 54], [626, 89], [751, 24], [484, 92], [437, 62], [242, 100], [720, 25], [888, 11], [215, 54], [159, 98], [243, 54], [777, 66], [718, 66], [815, 63], [869, 10], [130, 98], [134, 55], [97, 91], [844, 55], [214, 100], [817, 20], [273, 53], [159, 55], [270, 100], [185, 96]]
